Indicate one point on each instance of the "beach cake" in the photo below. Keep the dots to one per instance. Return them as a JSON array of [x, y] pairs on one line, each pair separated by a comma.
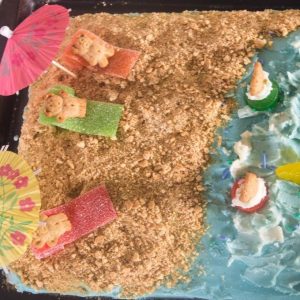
[[169, 165]]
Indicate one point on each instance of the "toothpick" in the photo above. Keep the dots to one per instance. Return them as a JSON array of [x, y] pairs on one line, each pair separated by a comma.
[[37, 171], [58, 65], [5, 270], [4, 148]]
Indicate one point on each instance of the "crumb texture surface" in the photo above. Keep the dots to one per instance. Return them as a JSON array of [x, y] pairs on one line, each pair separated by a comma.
[[174, 101]]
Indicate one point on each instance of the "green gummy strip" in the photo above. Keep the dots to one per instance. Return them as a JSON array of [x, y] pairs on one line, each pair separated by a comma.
[[56, 89], [101, 118]]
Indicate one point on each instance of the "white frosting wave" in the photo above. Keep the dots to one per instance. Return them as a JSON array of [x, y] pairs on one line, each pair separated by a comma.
[[243, 149], [265, 92], [271, 235]]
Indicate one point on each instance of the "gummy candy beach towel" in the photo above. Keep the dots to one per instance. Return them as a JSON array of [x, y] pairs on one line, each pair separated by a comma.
[[101, 118]]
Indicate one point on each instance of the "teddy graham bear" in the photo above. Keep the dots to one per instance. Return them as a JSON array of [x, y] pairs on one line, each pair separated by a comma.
[[50, 230], [94, 51], [64, 106], [258, 80]]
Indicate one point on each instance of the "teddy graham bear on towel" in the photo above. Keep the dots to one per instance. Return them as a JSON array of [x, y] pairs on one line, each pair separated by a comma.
[[64, 106]]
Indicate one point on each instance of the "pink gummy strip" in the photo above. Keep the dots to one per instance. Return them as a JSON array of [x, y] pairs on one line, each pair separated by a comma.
[[86, 213]]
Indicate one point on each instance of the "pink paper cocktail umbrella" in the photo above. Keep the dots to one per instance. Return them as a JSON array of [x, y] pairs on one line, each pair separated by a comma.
[[31, 47]]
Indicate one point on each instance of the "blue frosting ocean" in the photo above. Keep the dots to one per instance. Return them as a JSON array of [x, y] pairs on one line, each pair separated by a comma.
[[234, 262]]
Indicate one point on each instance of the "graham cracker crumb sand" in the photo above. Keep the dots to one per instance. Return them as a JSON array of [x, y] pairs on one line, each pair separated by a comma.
[[174, 101]]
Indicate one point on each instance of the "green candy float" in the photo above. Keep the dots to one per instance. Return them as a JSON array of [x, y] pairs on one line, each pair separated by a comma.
[[63, 109]]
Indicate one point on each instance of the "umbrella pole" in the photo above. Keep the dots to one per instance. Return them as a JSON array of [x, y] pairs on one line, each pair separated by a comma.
[[58, 65], [5, 270], [4, 148]]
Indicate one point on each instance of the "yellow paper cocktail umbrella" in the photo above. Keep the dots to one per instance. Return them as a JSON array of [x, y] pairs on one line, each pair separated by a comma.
[[20, 203]]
